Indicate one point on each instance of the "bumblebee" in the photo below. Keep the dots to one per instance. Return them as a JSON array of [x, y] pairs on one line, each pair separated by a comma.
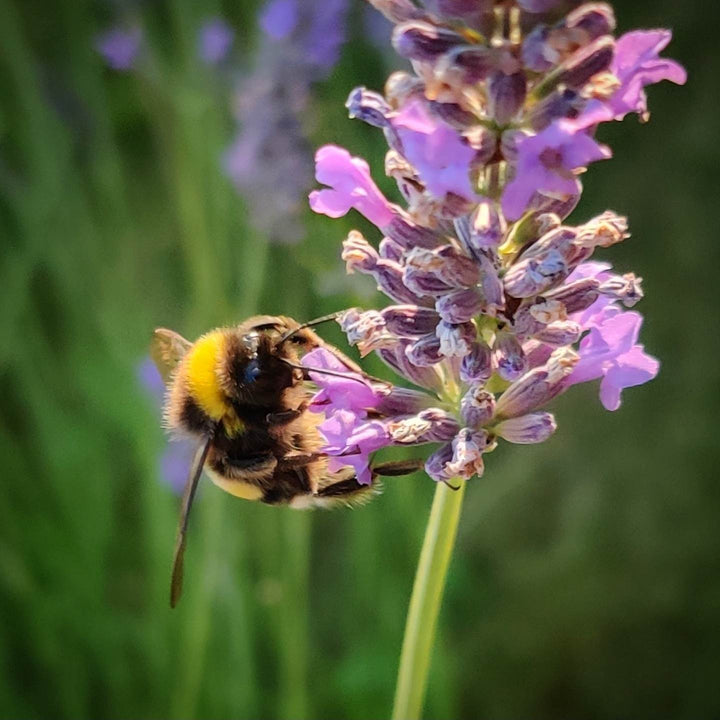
[[242, 393]]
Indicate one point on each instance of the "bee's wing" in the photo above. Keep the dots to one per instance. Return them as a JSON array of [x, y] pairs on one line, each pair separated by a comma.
[[167, 349], [181, 538]]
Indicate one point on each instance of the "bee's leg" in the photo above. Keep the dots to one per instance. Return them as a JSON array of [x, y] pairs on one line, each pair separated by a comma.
[[286, 416], [298, 460], [399, 467]]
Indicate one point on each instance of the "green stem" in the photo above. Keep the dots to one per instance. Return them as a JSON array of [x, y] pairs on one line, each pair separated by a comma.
[[425, 601]]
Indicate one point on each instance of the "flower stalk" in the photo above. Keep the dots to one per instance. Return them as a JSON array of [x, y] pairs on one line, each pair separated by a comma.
[[426, 598]]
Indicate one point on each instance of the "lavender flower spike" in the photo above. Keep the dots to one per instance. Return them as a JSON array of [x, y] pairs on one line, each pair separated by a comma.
[[496, 305]]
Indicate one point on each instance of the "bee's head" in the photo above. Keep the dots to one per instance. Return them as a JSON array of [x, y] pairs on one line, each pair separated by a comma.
[[257, 356]]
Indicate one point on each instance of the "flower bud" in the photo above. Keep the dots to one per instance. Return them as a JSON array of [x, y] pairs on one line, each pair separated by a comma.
[[626, 288], [563, 103], [533, 276], [536, 53], [455, 340], [586, 62], [527, 429], [468, 447], [435, 465], [453, 114], [508, 356], [397, 10], [491, 286], [487, 228], [477, 407], [560, 333], [389, 277], [506, 95], [476, 366], [443, 426], [401, 87], [410, 320], [595, 19], [390, 250], [538, 386], [424, 41], [459, 306], [366, 330], [427, 377], [368, 106], [425, 351], [424, 283], [509, 141], [575, 296], [403, 401], [407, 233], [603, 231], [358, 254]]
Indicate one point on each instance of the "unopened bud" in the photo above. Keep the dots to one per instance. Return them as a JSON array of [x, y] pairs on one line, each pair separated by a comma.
[[401, 87], [533, 276], [508, 356], [527, 429], [477, 407], [459, 306], [626, 288], [455, 340], [586, 62], [366, 330], [368, 106], [435, 465], [358, 254], [410, 320], [403, 401], [487, 227], [575, 296], [409, 234], [397, 10], [468, 447], [506, 95], [594, 18], [425, 351], [538, 386], [424, 41], [560, 333], [476, 366], [427, 376]]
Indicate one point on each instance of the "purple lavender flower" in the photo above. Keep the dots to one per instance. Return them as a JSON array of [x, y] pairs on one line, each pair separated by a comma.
[[610, 351], [497, 305], [214, 41], [635, 65], [279, 18], [548, 163], [435, 150], [270, 156], [351, 187], [177, 456], [120, 47]]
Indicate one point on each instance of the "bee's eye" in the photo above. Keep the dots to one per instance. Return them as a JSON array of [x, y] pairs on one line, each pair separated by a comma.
[[252, 370]]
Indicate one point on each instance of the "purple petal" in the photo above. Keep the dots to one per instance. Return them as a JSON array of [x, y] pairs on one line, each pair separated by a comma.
[[350, 187]]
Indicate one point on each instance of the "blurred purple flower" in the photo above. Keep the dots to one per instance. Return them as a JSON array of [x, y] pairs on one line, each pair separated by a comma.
[[548, 163], [177, 456], [120, 47], [214, 41], [271, 157], [279, 18]]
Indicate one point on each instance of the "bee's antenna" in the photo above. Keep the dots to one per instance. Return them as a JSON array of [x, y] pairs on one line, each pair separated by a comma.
[[311, 323]]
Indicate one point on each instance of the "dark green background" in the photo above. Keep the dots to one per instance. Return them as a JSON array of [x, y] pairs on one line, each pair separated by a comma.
[[586, 581]]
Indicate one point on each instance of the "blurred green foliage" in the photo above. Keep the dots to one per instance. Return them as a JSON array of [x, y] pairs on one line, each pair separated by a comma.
[[586, 582]]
